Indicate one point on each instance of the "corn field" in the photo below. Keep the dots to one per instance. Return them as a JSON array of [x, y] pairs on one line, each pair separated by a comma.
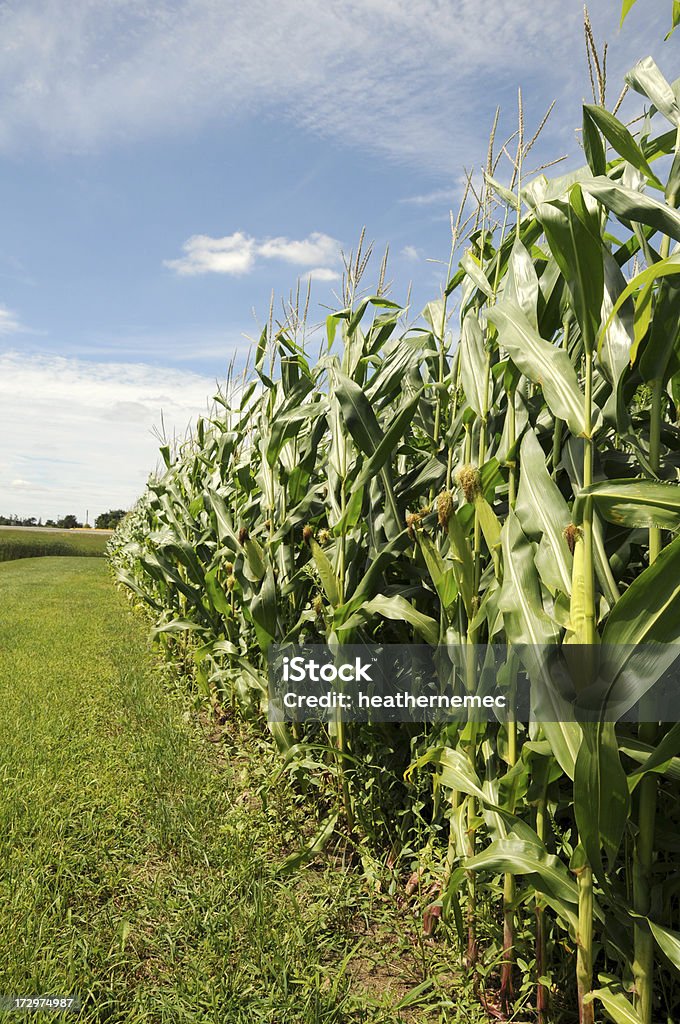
[[503, 470]]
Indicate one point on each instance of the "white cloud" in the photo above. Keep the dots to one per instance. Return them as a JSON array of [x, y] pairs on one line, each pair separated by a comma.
[[237, 254], [9, 322], [89, 441], [234, 254], [438, 196], [322, 274], [316, 248], [416, 79], [409, 252]]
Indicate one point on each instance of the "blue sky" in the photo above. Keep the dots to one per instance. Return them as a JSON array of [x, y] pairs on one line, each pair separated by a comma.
[[165, 165]]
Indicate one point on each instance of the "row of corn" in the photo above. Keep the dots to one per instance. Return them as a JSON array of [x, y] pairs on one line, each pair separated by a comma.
[[377, 482]]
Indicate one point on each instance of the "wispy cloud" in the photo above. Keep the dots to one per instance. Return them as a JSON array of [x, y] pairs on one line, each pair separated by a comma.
[[411, 253], [89, 442], [417, 80], [9, 321], [238, 254], [437, 196]]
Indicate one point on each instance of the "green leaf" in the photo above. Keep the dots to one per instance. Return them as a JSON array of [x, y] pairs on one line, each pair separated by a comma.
[[303, 856], [577, 604], [637, 649], [442, 575], [261, 350], [264, 611], [544, 514], [399, 609], [592, 144], [463, 565], [668, 941], [646, 277], [613, 997], [218, 597], [363, 425], [521, 282], [615, 338], [287, 423], [521, 857], [662, 755], [358, 415], [177, 626], [676, 19], [225, 532], [564, 739], [657, 591], [520, 600], [622, 141], [542, 363], [573, 233], [454, 770], [625, 8], [473, 364], [329, 580], [389, 443], [637, 503], [633, 206], [472, 268], [491, 529], [659, 358], [509, 197], [601, 796], [646, 79], [254, 559]]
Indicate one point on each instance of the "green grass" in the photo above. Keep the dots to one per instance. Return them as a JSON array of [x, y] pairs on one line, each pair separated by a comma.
[[23, 543], [138, 860]]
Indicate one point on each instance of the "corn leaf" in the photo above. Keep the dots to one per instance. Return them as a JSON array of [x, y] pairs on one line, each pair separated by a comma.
[[618, 136], [601, 796], [544, 514], [668, 942], [647, 79], [542, 363], [520, 601], [639, 503], [614, 999]]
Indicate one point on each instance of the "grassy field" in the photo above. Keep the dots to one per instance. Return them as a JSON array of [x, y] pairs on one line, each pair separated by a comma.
[[138, 860], [32, 543]]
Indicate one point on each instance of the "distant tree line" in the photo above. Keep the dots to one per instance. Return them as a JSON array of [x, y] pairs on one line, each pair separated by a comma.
[[109, 520], [106, 521], [65, 523]]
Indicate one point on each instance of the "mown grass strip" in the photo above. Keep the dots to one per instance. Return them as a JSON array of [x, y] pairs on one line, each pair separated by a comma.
[[138, 861]]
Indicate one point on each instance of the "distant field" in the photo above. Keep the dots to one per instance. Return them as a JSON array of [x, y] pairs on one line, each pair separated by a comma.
[[24, 542]]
